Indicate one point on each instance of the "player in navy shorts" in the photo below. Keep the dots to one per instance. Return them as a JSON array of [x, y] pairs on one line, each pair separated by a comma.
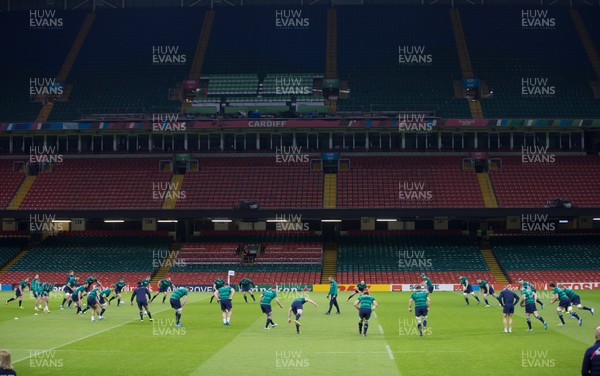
[[297, 309], [508, 299], [564, 304], [365, 305], [467, 289], [224, 296], [422, 302], [142, 294], [530, 307]]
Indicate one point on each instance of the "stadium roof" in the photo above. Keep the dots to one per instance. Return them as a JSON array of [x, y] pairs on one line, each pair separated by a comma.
[[26, 5]]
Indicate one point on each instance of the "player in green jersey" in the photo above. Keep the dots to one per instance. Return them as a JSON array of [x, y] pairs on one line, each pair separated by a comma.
[[427, 282], [365, 304], [332, 296], [146, 282], [176, 303], [93, 301], [90, 281], [564, 303], [247, 286], [34, 287], [104, 294], [296, 308], [487, 289], [360, 287], [119, 286], [45, 290], [19, 292], [224, 297], [70, 284], [77, 297], [217, 284], [467, 289], [265, 304], [575, 299], [163, 287], [422, 302], [528, 285], [68, 289], [528, 301]]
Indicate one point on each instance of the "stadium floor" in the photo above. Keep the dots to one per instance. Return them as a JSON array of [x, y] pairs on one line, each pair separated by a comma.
[[460, 340]]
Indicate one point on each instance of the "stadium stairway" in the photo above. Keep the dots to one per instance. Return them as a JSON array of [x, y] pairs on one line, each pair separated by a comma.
[[330, 191], [464, 59], [487, 190], [200, 53], [493, 265], [173, 192], [587, 42], [15, 259], [67, 65], [476, 110], [331, 54], [329, 262], [164, 268], [202, 45], [21, 192]]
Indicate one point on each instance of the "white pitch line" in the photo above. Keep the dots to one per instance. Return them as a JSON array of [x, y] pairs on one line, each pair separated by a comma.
[[390, 352], [380, 329], [76, 340], [375, 314], [351, 352], [393, 352], [429, 351], [91, 335]]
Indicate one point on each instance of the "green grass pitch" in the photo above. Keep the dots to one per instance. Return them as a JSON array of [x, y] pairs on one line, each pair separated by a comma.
[[460, 340]]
